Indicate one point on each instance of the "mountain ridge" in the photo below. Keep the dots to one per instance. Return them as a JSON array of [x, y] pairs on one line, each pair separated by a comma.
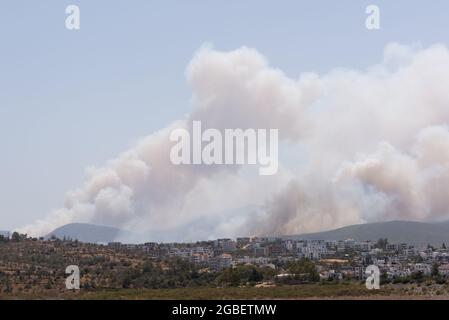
[[86, 232], [397, 231]]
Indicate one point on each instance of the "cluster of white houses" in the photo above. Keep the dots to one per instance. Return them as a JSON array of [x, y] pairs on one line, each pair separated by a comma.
[[351, 257]]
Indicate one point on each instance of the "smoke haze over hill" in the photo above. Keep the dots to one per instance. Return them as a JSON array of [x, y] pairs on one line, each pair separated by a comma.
[[356, 146]]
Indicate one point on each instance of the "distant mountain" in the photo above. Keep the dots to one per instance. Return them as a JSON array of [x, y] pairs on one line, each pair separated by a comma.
[[411, 232], [5, 233], [91, 233]]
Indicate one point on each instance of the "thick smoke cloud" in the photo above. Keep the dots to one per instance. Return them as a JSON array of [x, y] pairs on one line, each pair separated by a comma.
[[356, 146], [377, 149]]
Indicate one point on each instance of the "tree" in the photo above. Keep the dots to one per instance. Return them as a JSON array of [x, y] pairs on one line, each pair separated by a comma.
[[418, 276], [126, 282], [303, 268], [255, 276], [384, 278], [15, 236], [382, 243], [435, 272], [240, 275]]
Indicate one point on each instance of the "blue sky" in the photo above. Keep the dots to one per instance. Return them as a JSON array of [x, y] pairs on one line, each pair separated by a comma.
[[69, 100]]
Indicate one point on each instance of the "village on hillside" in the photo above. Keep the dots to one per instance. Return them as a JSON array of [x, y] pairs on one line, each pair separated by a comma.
[[31, 265]]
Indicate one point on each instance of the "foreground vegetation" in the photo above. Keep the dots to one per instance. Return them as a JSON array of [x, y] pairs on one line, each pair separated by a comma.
[[240, 293], [294, 292], [203, 293]]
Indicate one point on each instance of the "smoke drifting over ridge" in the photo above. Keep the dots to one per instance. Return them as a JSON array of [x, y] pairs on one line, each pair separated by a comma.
[[374, 146]]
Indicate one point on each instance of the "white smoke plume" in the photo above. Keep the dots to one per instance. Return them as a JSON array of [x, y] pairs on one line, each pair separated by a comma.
[[357, 146]]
